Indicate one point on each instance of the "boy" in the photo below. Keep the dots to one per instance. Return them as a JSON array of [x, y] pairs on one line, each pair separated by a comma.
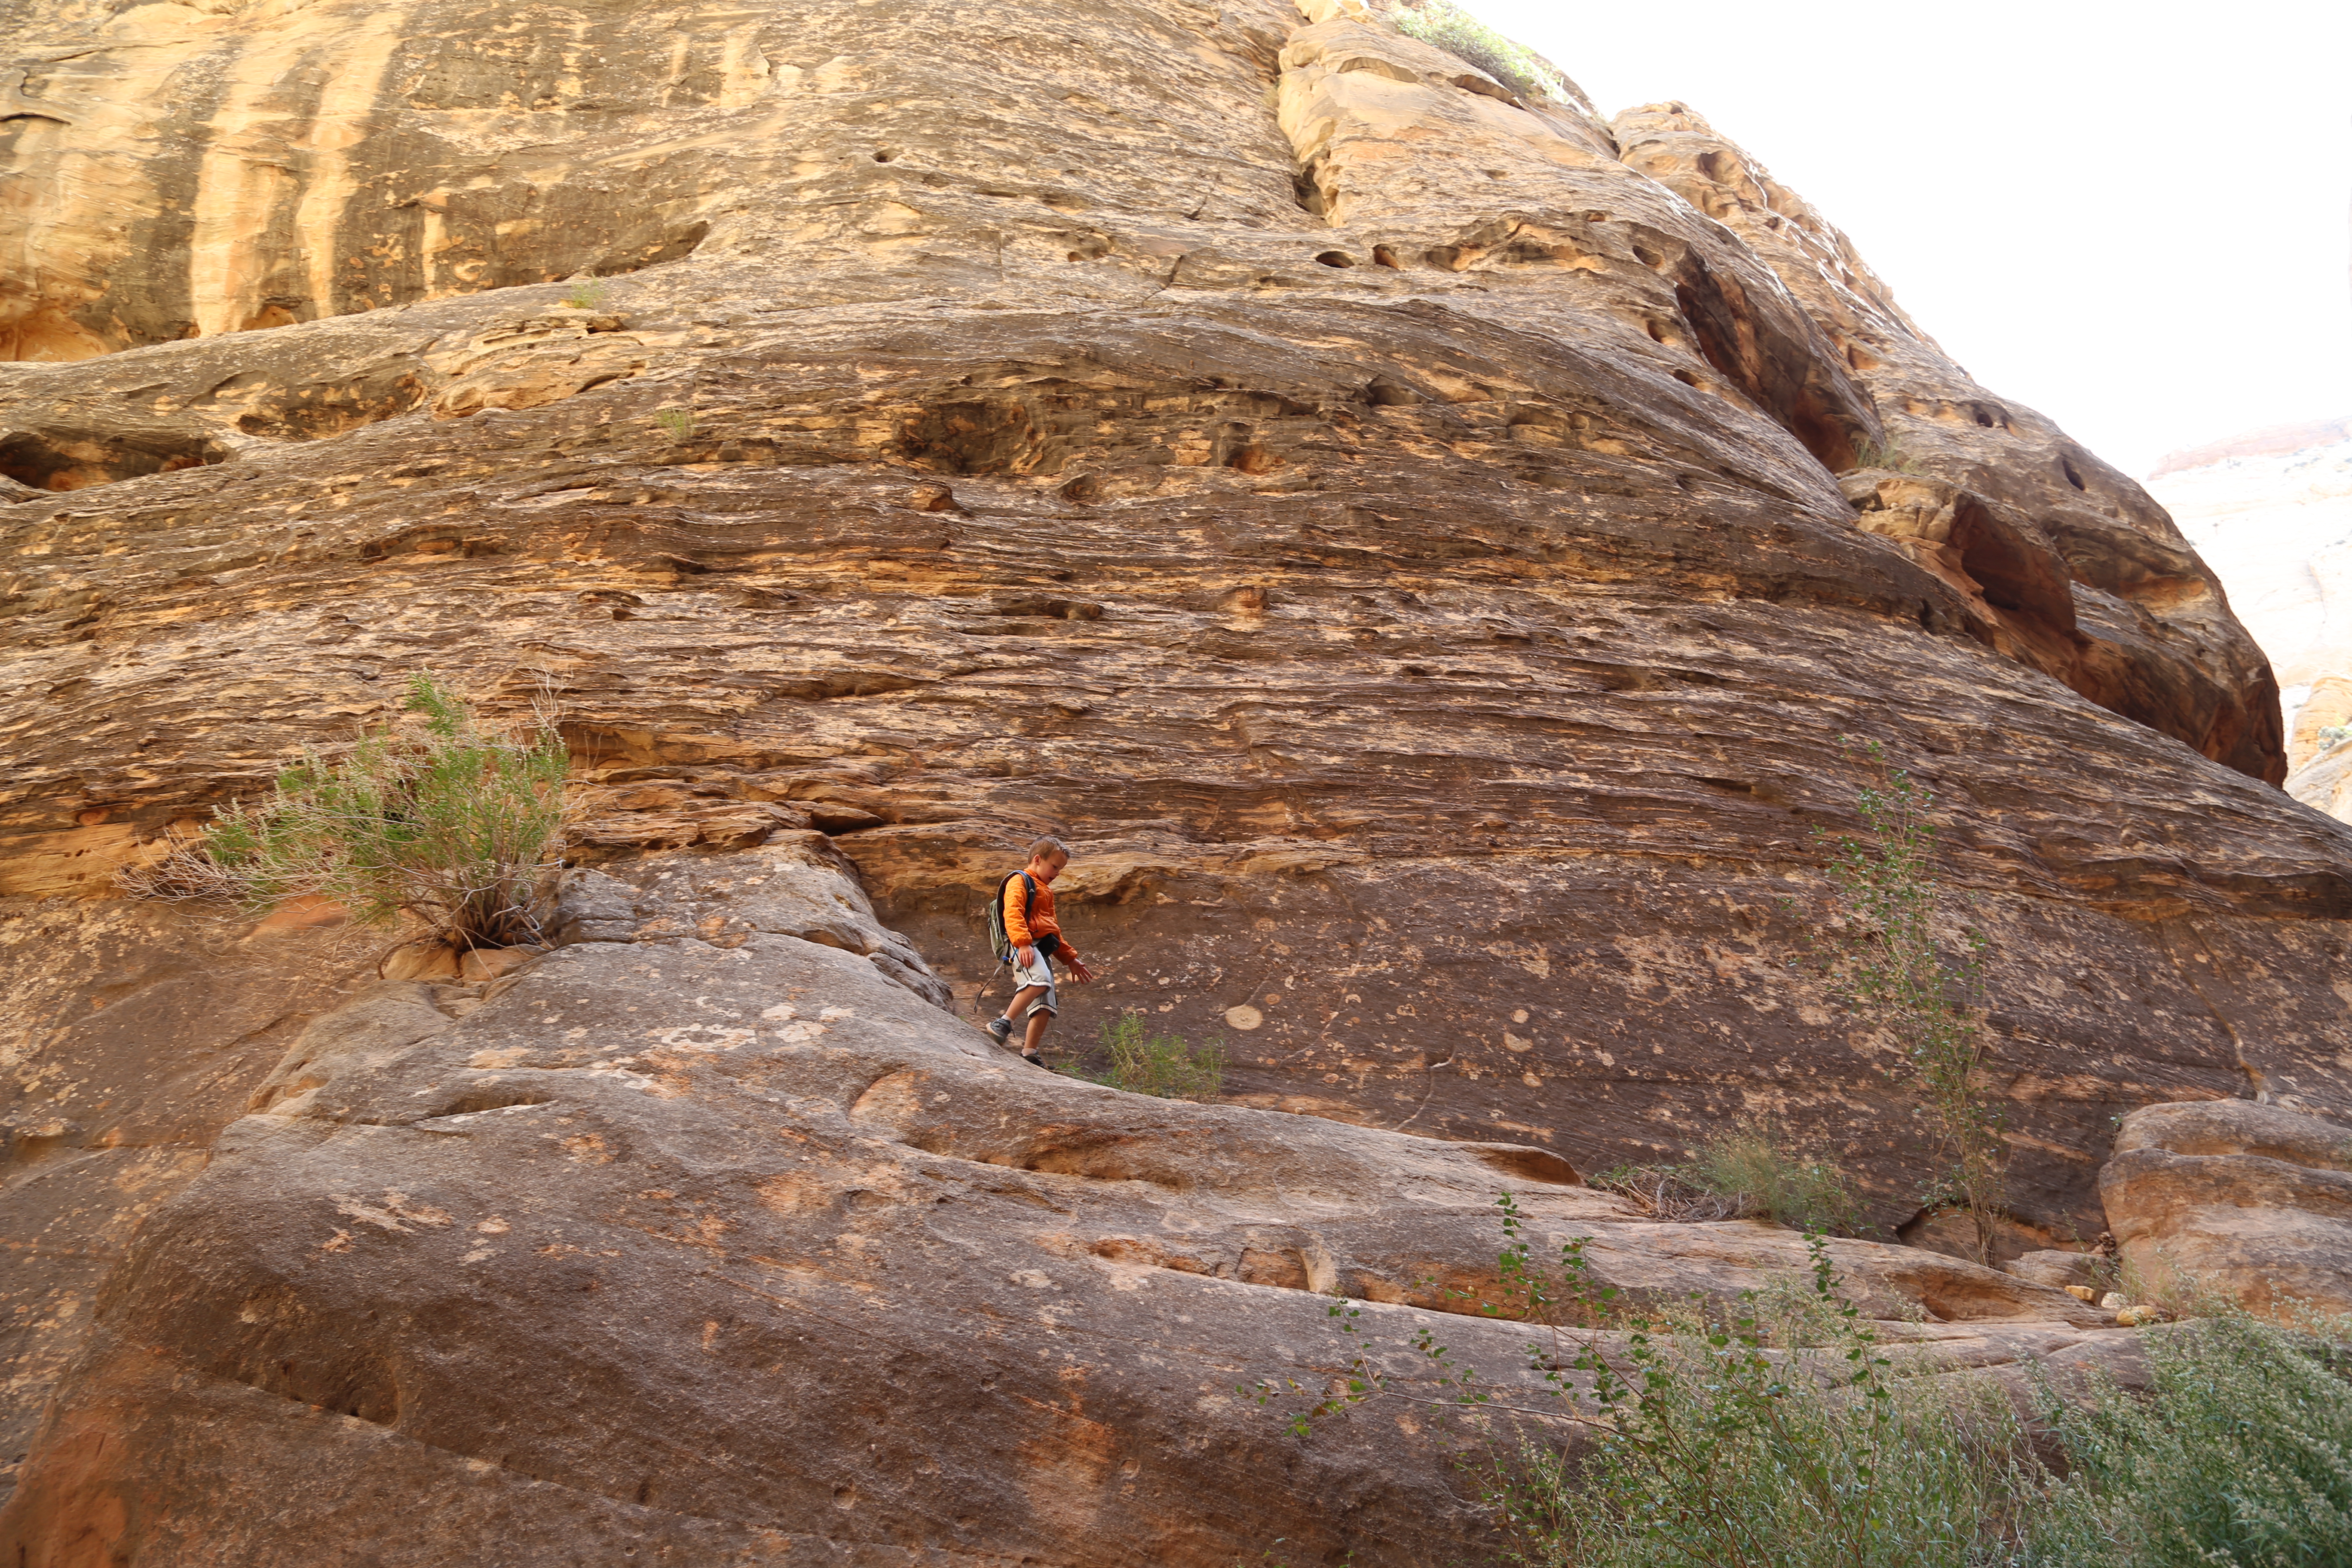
[[1035, 936]]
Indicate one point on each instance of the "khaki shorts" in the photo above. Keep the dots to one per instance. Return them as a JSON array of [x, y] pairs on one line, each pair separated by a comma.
[[1041, 973]]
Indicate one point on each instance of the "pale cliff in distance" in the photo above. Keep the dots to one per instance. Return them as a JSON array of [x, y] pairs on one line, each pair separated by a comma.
[[1414, 537], [2271, 512]]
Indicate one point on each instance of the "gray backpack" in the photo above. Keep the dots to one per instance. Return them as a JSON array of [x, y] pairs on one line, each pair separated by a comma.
[[999, 940]]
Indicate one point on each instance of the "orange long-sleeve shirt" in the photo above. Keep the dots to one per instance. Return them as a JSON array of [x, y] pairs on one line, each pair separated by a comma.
[[1025, 929]]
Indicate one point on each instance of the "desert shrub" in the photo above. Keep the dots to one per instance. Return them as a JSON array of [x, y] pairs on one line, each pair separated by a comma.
[[1776, 1431], [1887, 960], [1471, 41], [1743, 1173], [1773, 1431], [585, 294], [2240, 1454], [2335, 735], [452, 824], [678, 422], [1749, 1165], [1888, 455], [1142, 1062]]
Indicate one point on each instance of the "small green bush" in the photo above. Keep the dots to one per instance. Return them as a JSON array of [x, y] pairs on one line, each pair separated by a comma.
[[1143, 1063], [1466, 38], [585, 294], [1744, 1172], [678, 422], [1749, 1165], [2333, 734], [454, 825], [1893, 958], [2241, 1453]]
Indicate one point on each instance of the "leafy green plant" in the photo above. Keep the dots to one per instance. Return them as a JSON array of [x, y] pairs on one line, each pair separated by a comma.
[[1773, 1431], [2333, 734], [1890, 964], [1466, 38], [585, 294], [678, 422], [2241, 1453], [1777, 1431], [1142, 1062], [453, 823], [1742, 1172]]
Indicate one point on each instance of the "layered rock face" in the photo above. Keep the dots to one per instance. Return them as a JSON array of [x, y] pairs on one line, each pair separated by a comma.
[[1426, 548]]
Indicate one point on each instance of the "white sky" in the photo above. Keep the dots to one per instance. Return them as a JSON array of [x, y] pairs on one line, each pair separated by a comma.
[[2133, 217]]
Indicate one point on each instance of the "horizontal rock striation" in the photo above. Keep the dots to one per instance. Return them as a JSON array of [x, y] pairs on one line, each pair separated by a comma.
[[1428, 549]]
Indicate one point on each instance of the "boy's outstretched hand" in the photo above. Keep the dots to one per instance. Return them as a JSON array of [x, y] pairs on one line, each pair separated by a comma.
[[1081, 972]]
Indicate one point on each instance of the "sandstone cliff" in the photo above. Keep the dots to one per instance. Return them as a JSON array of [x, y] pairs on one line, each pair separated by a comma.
[[1417, 540]]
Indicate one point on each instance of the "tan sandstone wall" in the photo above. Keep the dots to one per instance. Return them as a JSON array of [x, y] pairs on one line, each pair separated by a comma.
[[1411, 538]]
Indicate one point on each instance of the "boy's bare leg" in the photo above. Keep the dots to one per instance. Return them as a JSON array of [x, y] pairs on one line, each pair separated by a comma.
[[1036, 1036], [1021, 999]]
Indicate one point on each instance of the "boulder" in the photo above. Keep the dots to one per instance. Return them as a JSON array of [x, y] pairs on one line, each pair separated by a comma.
[[2229, 1196]]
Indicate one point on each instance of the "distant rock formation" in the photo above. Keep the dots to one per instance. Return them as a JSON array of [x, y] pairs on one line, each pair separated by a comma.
[[2271, 512], [2271, 441]]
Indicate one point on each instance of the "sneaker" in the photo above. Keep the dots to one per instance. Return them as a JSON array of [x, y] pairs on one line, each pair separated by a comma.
[[1033, 1058], [1000, 1031]]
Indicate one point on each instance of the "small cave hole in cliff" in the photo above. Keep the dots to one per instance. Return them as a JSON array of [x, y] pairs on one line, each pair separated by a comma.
[[1730, 341], [77, 462], [1307, 192], [2072, 478], [1336, 258], [1383, 256]]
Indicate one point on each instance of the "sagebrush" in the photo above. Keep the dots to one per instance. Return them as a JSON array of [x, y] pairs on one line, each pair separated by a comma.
[[453, 823], [1742, 1172], [1887, 455]]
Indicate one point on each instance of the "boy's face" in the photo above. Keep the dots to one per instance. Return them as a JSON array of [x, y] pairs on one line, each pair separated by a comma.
[[1046, 868]]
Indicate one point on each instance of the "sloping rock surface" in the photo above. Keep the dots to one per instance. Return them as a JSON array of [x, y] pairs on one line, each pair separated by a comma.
[[2249, 1201], [737, 1248]]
